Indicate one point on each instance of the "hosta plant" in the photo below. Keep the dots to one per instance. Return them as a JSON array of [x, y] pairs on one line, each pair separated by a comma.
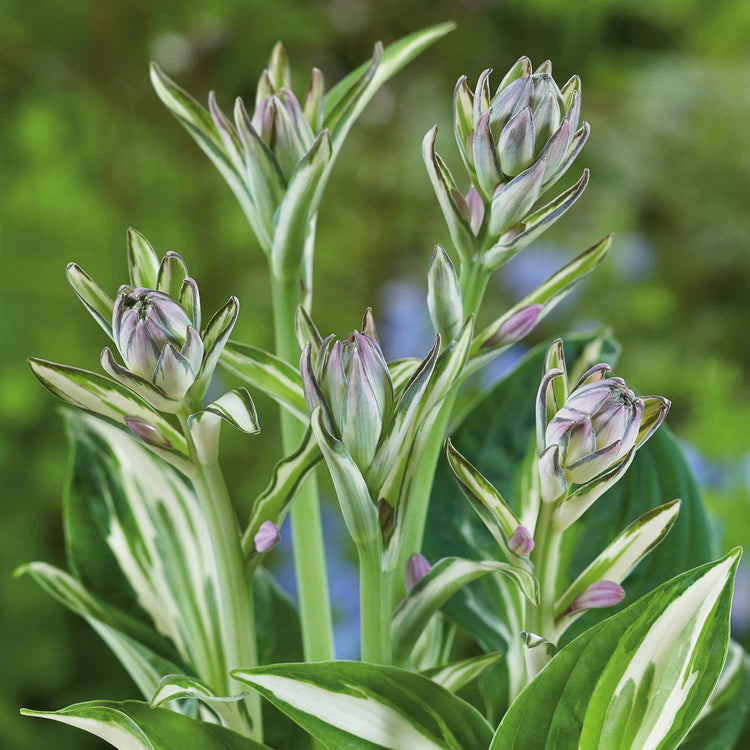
[[536, 569]]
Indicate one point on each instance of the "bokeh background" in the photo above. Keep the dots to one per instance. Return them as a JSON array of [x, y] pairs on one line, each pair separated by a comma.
[[87, 150]]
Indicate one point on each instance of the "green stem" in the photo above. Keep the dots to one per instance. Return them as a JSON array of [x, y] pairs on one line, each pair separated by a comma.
[[374, 605], [546, 559], [474, 278], [307, 532], [234, 602]]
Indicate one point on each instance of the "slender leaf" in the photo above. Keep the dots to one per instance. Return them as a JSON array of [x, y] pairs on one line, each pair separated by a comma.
[[132, 725], [363, 706], [457, 674]]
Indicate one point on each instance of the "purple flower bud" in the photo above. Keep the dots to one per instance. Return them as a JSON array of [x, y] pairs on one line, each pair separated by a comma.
[[267, 537], [147, 432], [417, 567], [599, 595], [518, 325], [597, 426], [521, 542]]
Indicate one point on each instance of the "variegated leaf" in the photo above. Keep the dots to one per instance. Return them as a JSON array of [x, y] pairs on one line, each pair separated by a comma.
[[446, 577], [146, 656], [272, 375], [620, 557], [152, 550], [94, 298], [143, 261], [235, 407], [133, 725], [357, 705], [273, 503], [101, 395], [723, 718], [455, 675], [637, 680]]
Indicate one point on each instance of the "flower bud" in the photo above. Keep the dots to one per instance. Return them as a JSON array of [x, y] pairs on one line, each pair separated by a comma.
[[521, 542], [599, 595], [352, 381], [444, 295], [597, 426], [417, 567], [147, 432], [267, 537], [156, 340]]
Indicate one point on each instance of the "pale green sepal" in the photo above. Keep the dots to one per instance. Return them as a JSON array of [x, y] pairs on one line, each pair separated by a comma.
[[172, 273], [444, 295], [534, 224], [448, 196], [372, 707], [181, 686], [93, 297], [617, 561], [576, 144], [273, 502], [360, 513], [578, 502], [215, 337], [134, 725], [143, 261], [431, 592], [235, 407], [306, 331], [511, 203], [457, 674], [267, 372], [190, 301], [293, 216], [101, 395], [197, 121], [638, 679], [484, 498]]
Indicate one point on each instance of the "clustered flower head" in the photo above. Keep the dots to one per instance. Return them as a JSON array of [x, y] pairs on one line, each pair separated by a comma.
[[515, 144], [589, 429], [350, 379]]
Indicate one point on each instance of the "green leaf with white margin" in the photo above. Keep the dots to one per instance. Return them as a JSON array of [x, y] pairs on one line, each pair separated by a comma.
[[143, 261], [368, 707], [267, 372], [133, 725], [720, 724], [549, 295], [446, 578], [235, 407], [455, 675], [196, 119], [181, 686], [136, 536], [273, 502], [94, 298], [145, 655], [620, 557], [102, 395], [392, 60], [638, 679], [292, 217]]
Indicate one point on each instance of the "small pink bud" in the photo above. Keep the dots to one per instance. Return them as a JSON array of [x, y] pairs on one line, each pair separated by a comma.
[[599, 595], [267, 537], [521, 542], [147, 432], [417, 567], [518, 325]]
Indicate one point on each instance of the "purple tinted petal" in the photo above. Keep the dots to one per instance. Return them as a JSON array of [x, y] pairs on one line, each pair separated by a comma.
[[267, 537]]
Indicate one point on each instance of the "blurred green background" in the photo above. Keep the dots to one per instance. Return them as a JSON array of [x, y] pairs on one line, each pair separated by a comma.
[[87, 150]]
